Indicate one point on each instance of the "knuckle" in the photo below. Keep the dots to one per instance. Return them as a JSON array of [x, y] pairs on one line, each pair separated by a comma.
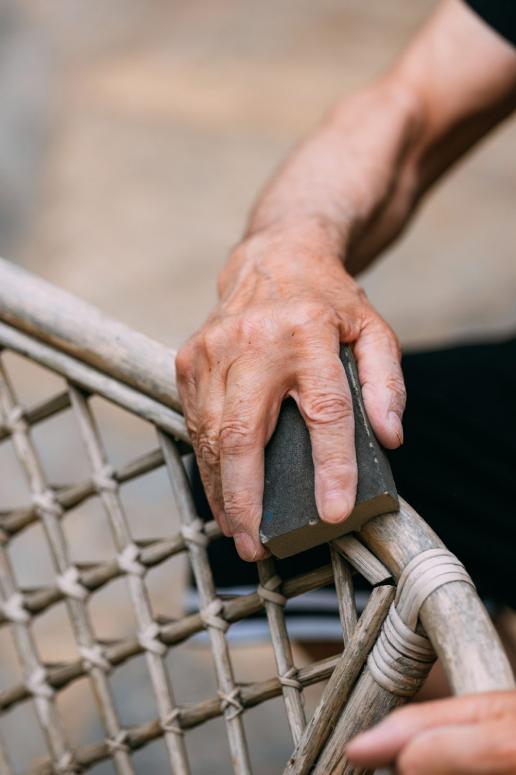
[[248, 327], [185, 361], [335, 465], [238, 508], [379, 329], [237, 436], [193, 431], [233, 334], [208, 447], [304, 316], [361, 295], [213, 338], [325, 408]]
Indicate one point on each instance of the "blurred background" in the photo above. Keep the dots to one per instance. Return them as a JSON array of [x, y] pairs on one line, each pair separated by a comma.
[[133, 139]]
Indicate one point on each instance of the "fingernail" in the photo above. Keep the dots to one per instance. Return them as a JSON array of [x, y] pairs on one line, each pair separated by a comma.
[[246, 546], [395, 426], [336, 507]]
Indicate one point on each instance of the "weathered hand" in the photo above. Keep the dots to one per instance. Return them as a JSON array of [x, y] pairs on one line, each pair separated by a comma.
[[458, 736], [284, 310]]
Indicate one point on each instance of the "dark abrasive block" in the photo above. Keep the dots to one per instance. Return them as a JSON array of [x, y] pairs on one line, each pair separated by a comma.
[[290, 522]]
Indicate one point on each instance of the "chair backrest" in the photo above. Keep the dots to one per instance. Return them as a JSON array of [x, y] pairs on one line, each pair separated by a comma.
[[422, 601]]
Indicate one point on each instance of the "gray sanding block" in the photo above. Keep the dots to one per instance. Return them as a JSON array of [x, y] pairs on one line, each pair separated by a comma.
[[290, 522]]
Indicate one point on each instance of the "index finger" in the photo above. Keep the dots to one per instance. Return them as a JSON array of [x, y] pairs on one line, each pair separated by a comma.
[[251, 409]]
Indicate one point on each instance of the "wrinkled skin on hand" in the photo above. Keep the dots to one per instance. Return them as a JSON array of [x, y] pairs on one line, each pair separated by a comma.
[[470, 735], [283, 312]]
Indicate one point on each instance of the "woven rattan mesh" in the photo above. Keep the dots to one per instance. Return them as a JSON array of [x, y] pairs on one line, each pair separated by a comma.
[[75, 586]]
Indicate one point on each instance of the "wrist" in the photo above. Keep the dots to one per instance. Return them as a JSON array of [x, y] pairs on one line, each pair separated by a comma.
[[288, 248]]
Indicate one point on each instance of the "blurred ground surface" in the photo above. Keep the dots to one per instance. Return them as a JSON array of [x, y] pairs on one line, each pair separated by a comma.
[[133, 138]]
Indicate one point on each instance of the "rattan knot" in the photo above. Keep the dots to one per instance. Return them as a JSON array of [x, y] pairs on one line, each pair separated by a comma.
[[94, 656], [230, 703], [15, 420], [66, 765], [289, 679], [268, 591], [128, 560], [117, 743], [37, 684], [104, 479], [211, 615], [47, 503], [194, 533], [170, 722], [401, 658], [70, 585], [148, 639], [14, 609]]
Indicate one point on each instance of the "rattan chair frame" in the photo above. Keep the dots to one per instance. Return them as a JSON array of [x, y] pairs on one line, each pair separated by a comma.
[[98, 356]]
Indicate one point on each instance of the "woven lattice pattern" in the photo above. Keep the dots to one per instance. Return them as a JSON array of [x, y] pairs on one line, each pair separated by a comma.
[[76, 584]]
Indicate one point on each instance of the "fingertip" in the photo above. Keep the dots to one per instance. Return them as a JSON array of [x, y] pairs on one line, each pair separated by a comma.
[[264, 553], [356, 747], [224, 527], [395, 427], [249, 549], [336, 507], [384, 407], [371, 747], [388, 430], [362, 742]]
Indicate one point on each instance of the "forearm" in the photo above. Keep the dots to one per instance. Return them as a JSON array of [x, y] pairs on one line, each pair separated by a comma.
[[335, 183], [287, 297], [350, 189], [338, 178]]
